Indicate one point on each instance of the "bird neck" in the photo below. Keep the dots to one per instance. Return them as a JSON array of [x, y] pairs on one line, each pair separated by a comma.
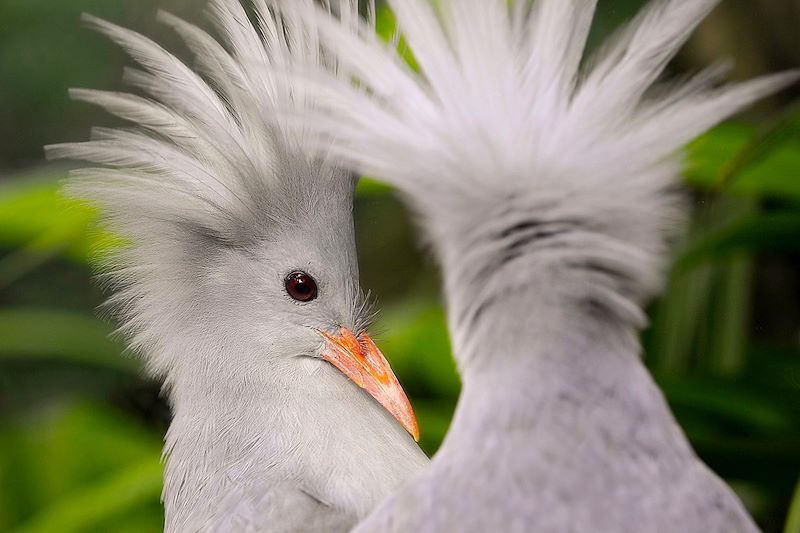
[[303, 425], [550, 283], [544, 322], [528, 344], [225, 436]]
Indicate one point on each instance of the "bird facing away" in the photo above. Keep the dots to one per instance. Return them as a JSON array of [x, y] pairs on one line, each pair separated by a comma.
[[237, 281], [547, 188]]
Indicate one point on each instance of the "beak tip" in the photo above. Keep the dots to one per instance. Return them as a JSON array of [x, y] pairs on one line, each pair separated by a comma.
[[411, 425]]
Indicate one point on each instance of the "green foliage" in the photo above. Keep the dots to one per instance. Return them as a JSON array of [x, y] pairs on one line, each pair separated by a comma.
[[73, 337], [793, 521], [41, 224], [419, 349], [83, 455], [78, 468]]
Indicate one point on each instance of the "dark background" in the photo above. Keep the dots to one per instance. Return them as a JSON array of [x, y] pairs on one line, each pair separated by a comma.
[[80, 429]]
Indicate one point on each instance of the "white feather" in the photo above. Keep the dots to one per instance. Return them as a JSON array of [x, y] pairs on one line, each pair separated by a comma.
[[208, 144], [500, 106], [547, 190]]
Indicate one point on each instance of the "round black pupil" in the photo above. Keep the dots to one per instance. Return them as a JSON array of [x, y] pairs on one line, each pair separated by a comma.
[[301, 287]]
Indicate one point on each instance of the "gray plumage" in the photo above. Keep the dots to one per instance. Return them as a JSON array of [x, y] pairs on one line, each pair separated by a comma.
[[546, 187], [216, 202]]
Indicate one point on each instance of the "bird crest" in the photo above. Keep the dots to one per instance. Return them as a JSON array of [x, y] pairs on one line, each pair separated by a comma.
[[571, 155], [207, 161]]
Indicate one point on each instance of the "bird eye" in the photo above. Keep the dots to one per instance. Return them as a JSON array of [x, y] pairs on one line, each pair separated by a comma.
[[301, 286]]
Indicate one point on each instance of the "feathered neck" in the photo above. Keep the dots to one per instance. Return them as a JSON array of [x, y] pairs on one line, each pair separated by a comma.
[[233, 439], [543, 253]]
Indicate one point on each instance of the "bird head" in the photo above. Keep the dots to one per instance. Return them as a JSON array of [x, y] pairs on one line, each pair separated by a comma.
[[292, 288], [238, 259]]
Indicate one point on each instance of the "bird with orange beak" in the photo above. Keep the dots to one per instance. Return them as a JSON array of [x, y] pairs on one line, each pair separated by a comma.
[[238, 284]]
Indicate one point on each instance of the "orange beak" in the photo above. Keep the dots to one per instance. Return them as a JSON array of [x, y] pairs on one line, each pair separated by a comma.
[[360, 360]]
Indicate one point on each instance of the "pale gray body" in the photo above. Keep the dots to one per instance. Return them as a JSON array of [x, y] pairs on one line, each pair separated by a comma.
[[218, 203], [545, 185], [281, 509], [574, 422], [559, 427]]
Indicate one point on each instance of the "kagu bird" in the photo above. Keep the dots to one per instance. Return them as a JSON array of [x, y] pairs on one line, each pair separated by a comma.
[[238, 283], [547, 188]]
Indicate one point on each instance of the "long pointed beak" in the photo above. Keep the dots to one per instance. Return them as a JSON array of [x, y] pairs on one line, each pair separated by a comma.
[[359, 359]]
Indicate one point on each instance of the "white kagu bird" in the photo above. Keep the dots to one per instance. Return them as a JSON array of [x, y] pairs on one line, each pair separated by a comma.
[[237, 280], [548, 189]]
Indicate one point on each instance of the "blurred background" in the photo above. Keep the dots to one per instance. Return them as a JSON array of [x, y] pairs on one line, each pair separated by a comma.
[[81, 428]]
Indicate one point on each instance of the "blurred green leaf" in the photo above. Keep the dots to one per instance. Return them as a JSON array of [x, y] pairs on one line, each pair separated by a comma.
[[771, 462], [434, 420], [676, 320], [709, 155], [765, 146], [39, 219], [776, 174], [372, 187], [730, 402], [733, 158], [726, 350], [776, 369], [793, 520], [50, 333], [84, 509], [68, 469], [386, 27], [779, 230], [418, 346], [385, 23]]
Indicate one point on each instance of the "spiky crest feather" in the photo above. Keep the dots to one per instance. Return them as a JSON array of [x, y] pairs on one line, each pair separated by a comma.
[[505, 118], [209, 161]]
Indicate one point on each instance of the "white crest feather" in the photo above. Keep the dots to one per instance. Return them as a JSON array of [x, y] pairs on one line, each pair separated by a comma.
[[503, 84], [502, 108], [208, 149]]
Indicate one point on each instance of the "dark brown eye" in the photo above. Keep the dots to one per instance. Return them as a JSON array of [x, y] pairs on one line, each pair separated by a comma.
[[301, 286]]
